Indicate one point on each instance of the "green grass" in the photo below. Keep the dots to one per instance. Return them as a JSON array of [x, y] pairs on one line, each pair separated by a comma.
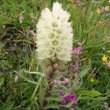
[[17, 53]]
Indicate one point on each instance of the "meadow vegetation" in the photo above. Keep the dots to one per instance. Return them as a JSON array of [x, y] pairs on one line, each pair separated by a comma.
[[23, 82]]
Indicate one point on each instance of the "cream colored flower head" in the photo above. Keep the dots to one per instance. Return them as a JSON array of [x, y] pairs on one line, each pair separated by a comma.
[[54, 34]]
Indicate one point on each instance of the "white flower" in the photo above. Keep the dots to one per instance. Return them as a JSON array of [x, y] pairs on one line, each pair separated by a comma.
[[54, 34]]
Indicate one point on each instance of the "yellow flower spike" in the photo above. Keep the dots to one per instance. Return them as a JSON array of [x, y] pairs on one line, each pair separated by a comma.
[[107, 8], [98, 11], [104, 58]]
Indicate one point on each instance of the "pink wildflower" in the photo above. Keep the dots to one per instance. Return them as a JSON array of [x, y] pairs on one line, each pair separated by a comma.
[[21, 18], [77, 50], [32, 32], [70, 98]]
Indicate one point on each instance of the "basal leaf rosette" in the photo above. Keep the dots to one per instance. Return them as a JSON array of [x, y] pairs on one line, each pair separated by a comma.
[[54, 34]]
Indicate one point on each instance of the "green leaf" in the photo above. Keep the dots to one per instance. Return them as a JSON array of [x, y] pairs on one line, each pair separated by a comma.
[[69, 105], [100, 98], [7, 106], [1, 45], [92, 98], [85, 71], [85, 98], [89, 93], [55, 99], [41, 95], [26, 79], [1, 81]]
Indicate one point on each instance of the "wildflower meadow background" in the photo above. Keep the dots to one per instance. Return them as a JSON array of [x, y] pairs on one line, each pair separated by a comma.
[[54, 54]]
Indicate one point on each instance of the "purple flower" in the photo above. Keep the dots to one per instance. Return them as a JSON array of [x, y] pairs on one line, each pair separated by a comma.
[[70, 98], [77, 50], [21, 18], [67, 81], [62, 93], [32, 32], [63, 102], [33, 19], [76, 67]]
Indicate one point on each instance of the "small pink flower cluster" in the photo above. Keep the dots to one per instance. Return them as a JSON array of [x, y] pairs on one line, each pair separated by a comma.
[[70, 98], [64, 82], [21, 18], [78, 50]]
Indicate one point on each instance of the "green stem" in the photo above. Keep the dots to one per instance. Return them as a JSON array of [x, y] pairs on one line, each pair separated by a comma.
[[26, 79], [36, 88]]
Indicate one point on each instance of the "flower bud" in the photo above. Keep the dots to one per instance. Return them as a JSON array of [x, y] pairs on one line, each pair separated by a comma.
[[77, 50], [16, 78], [21, 18]]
